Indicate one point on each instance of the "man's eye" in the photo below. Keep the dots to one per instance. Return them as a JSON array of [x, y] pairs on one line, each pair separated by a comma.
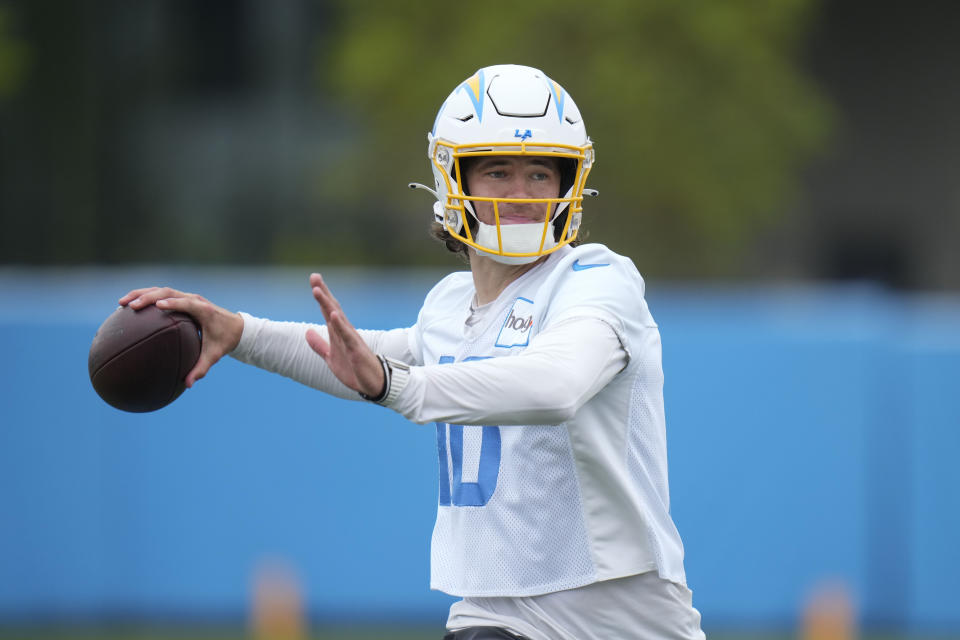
[[496, 174]]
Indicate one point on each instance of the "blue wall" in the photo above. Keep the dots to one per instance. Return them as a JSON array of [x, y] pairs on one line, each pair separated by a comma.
[[813, 435]]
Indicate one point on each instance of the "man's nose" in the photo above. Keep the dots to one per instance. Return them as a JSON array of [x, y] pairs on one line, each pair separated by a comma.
[[519, 187]]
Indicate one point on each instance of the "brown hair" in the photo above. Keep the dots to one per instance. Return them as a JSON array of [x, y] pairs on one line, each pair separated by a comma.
[[439, 233]]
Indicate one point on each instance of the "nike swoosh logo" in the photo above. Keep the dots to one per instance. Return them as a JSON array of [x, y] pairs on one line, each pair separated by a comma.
[[583, 267]]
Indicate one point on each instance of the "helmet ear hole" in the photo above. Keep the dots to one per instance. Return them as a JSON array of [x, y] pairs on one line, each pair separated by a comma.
[[453, 219]]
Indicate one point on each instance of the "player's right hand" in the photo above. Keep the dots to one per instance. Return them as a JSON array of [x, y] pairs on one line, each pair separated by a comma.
[[220, 329]]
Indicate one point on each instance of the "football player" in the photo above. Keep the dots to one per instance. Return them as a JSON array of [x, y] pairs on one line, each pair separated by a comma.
[[541, 367]]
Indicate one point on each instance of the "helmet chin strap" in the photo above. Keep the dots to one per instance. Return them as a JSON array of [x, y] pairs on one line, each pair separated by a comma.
[[517, 238]]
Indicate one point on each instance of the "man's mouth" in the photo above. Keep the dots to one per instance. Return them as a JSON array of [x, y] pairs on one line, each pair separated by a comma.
[[522, 217], [515, 219]]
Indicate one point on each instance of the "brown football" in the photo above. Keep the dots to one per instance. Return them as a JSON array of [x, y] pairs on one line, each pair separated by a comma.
[[139, 359]]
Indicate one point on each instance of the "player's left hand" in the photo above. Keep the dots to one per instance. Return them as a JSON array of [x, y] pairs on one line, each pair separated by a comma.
[[347, 355]]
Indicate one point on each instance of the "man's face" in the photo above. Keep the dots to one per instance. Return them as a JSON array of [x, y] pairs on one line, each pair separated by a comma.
[[514, 177]]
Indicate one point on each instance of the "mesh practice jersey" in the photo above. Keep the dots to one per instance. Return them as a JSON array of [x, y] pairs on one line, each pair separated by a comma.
[[536, 508], [539, 507]]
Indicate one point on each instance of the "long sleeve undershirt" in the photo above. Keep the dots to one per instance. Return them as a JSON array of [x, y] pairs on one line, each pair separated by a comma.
[[562, 368]]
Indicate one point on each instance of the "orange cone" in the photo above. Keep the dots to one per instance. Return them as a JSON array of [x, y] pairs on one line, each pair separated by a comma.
[[277, 608], [829, 614]]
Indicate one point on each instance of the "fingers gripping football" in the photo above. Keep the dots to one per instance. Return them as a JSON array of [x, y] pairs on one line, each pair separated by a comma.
[[347, 355], [221, 329]]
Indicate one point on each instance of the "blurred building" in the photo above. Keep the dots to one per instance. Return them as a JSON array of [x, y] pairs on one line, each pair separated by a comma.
[[136, 117], [884, 203]]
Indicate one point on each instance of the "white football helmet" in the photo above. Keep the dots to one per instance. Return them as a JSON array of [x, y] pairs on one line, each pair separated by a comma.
[[509, 110]]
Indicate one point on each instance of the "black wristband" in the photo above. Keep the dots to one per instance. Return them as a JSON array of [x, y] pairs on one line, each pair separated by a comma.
[[386, 383]]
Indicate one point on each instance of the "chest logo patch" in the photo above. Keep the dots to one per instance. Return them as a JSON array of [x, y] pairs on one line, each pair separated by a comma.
[[516, 329]]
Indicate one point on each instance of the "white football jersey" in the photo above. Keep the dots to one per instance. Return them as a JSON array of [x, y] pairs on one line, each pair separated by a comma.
[[532, 509]]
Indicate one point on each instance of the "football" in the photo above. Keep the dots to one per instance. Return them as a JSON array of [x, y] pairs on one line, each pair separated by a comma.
[[139, 359]]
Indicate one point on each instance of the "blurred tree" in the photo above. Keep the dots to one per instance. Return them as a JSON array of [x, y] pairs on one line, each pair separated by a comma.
[[13, 57], [52, 139], [700, 114]]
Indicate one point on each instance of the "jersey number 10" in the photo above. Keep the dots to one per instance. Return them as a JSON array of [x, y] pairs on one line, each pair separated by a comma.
[[453, 490]]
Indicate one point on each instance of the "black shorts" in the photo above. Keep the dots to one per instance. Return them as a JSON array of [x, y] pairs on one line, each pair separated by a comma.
[[482, 633]]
